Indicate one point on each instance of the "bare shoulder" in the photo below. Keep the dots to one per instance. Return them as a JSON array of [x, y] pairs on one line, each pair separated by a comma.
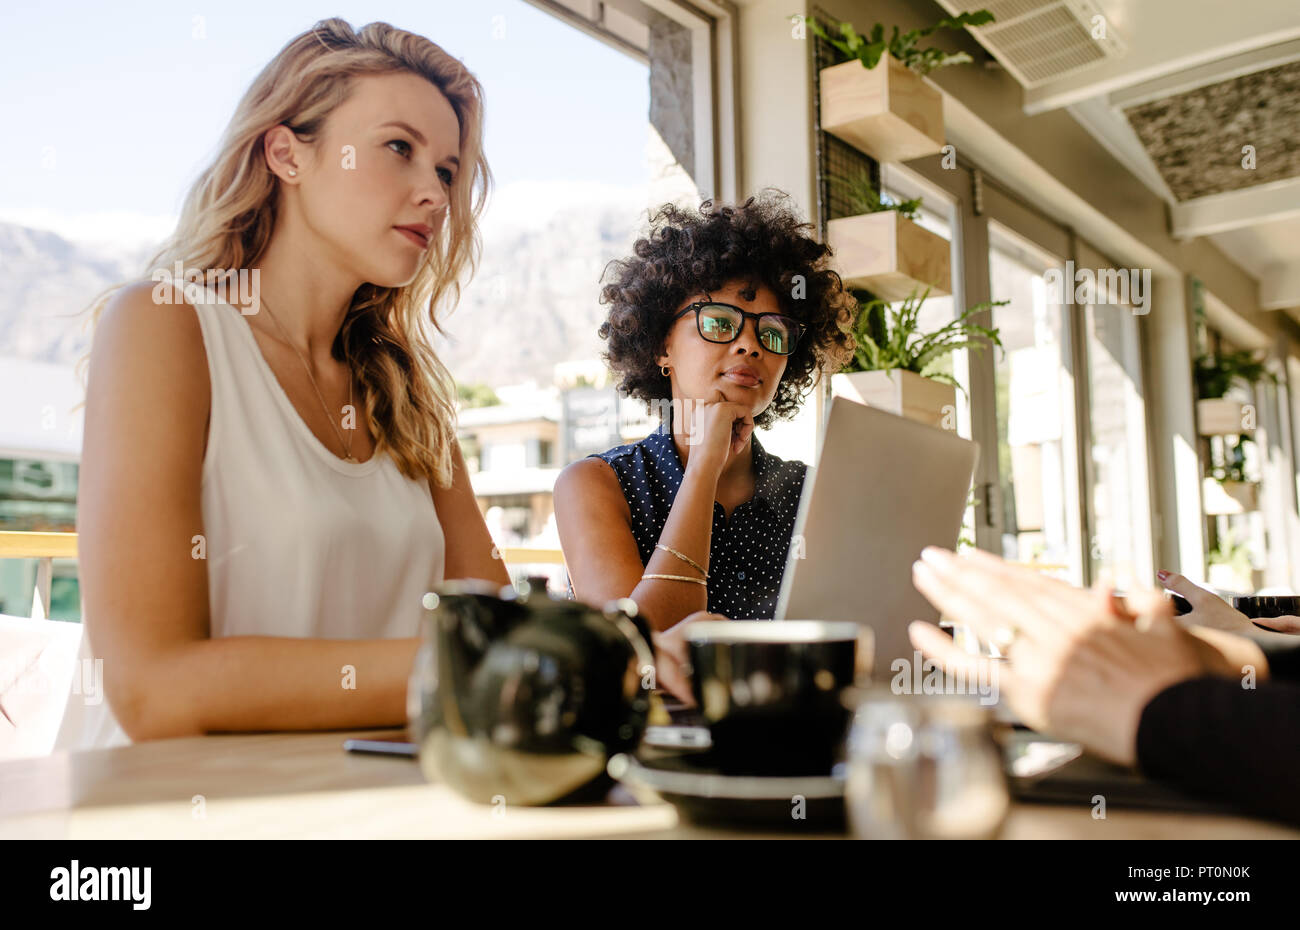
[[148, 321], [588, 476], [148, 355]]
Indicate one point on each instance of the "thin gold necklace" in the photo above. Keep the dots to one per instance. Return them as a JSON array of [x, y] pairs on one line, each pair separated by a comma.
[[347, 446]]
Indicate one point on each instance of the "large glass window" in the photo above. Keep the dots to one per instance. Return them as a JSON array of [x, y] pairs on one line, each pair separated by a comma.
[[1035, 409], [1118, 504], [1273, 444], [1235, 529], [1119, 545], [938, 214], [1064, 478]]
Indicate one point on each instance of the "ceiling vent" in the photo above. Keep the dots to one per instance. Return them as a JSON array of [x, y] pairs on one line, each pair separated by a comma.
[[1041, 40]]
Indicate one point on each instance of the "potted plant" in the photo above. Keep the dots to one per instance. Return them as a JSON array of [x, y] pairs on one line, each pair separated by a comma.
[[1228, 498], [1216, 414], [898, 368], [881, 248], [877, 100], [1231, 568], [1229, 489]]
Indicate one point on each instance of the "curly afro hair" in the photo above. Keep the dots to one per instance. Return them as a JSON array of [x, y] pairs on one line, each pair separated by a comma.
[[762, 242]]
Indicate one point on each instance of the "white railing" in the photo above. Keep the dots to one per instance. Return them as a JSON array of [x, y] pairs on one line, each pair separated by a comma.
[[45, 548]]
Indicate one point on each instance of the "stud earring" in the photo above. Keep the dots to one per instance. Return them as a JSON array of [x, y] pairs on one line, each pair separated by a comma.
[[293, 173]]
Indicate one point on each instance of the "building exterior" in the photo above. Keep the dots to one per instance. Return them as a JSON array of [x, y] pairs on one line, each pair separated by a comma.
[[40, 447]]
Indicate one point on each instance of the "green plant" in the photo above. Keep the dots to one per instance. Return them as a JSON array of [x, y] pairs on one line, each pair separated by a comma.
[[967, 539], [870, 48], [477, 395], [1215, 373], [863, 197], [889, 338], [1232, 553]]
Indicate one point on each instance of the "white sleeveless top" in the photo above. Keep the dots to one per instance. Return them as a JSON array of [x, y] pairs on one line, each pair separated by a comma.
[[299, 542]]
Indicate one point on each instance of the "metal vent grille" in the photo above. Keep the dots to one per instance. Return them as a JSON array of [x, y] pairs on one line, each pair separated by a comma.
[[1041, 40], [1005, 10]]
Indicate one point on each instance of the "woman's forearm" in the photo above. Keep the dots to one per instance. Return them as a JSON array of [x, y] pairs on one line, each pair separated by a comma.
[[689, 530], [261, 683]]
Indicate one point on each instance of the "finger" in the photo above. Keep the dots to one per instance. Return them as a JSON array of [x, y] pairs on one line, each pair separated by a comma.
[[1196, 595], [697, 616], [1120, 606], [669, 645], [1279, 624], [1054, 598], [1023, 575], [672, 679], [1151, 609], [971, 595], [935, 644], [938, 646]]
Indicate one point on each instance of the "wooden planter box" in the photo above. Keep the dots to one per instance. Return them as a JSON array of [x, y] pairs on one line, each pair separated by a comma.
[[902, 393], [888, 111], [889, 255], [1225, 498], [1220, 416]]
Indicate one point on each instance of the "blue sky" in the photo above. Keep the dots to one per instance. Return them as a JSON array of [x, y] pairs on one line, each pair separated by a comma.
[[111, 109]]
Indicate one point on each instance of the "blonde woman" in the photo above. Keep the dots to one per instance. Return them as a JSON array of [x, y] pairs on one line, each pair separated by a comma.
[[265, 496]]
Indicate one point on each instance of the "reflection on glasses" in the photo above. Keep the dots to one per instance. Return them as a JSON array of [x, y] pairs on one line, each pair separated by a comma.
[[717, 322]]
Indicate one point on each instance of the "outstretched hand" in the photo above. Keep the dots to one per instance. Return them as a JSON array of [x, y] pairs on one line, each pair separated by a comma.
[[1081, 663]]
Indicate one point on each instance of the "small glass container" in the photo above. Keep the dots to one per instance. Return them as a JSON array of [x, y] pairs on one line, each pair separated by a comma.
[[924, 766]]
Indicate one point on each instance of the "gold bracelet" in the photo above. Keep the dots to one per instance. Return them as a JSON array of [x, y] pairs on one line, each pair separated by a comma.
[[677, 578], [685, 558]]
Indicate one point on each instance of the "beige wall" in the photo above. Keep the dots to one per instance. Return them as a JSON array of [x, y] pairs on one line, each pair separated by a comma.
[[775, 113], [776, 110]]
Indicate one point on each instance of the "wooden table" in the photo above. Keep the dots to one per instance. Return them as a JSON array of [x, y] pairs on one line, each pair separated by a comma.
[[304, 786]]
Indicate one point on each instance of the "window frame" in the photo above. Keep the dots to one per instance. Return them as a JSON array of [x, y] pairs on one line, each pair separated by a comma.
[[715, 79]]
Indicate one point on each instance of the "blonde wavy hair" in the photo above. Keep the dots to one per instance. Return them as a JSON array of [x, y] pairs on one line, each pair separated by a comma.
[[229, 214]]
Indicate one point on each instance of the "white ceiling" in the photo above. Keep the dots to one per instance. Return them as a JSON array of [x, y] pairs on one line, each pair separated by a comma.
[[1164, 37], [1174, 46]]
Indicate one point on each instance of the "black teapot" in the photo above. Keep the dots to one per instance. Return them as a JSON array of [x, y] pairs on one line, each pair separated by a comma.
[[521, 698]]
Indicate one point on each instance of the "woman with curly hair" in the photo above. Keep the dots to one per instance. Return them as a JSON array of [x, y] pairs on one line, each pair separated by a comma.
[[723, 318]]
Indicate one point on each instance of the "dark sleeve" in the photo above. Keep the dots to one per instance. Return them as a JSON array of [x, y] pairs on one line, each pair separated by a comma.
[[1212, 737], [1283, 660]]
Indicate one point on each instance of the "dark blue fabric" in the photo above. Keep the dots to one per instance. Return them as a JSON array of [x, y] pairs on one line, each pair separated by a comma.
[[747, 553]]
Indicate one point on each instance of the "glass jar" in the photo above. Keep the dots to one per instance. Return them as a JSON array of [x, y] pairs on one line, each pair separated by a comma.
[[923, 766]]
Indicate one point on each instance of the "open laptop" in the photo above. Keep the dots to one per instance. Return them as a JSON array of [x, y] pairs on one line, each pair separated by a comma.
[[884, 488]]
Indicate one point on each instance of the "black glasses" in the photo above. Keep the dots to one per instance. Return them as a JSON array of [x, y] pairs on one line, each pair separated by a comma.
[[723, 322]]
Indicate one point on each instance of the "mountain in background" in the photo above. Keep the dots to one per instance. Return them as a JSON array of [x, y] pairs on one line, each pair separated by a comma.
[[532, 303], [535, 298], [47, 283]]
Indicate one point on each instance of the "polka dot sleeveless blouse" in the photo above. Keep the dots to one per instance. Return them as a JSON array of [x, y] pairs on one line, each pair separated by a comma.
[[747, 552]]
